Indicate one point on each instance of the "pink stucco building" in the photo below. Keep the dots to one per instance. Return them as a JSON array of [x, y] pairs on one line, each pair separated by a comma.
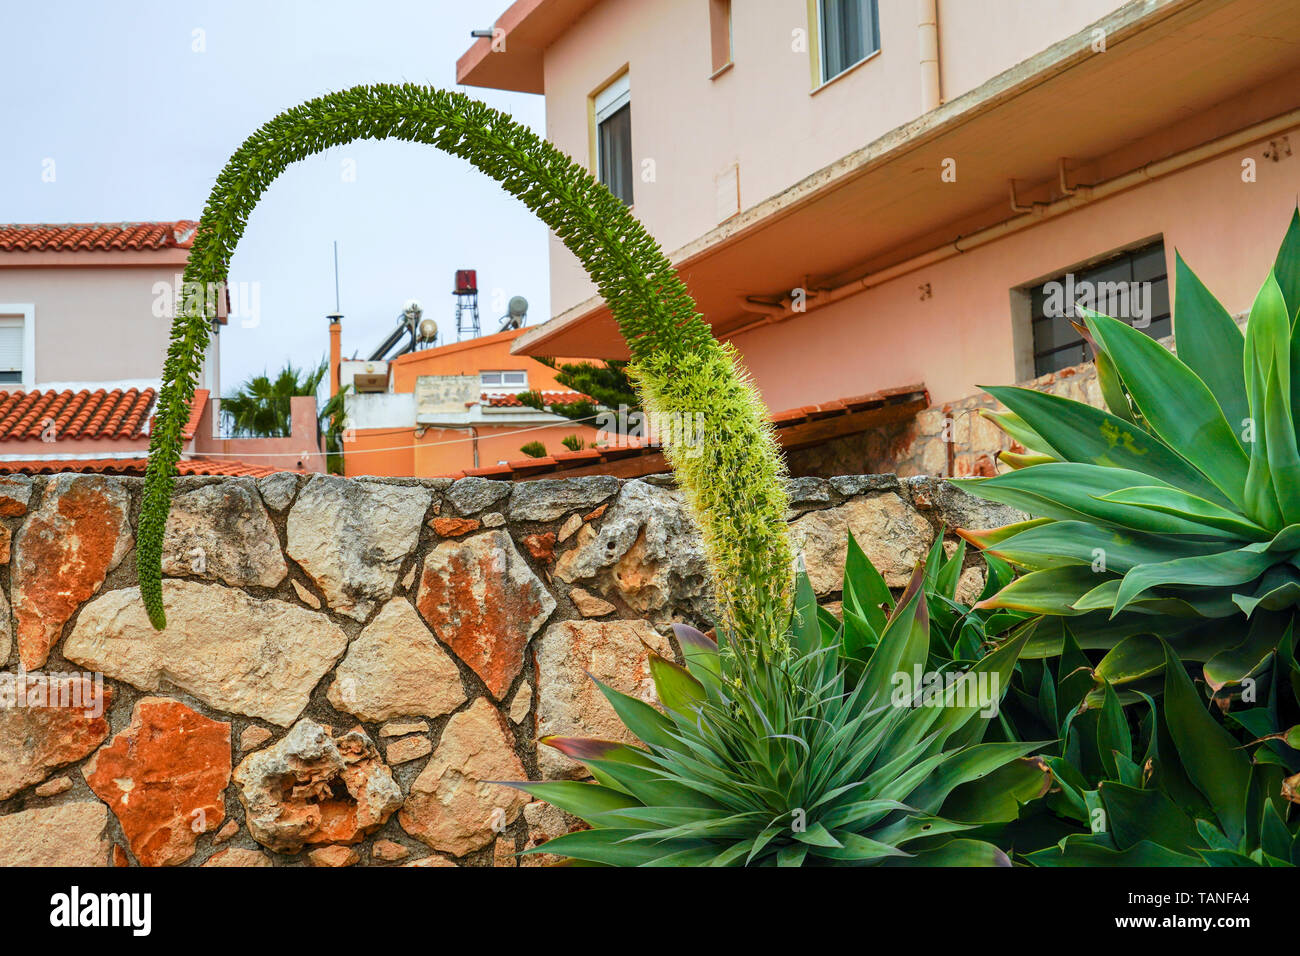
[[85, 318], [866, 193]]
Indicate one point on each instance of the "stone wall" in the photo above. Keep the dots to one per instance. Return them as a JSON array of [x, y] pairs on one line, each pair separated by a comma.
[[347, 661]]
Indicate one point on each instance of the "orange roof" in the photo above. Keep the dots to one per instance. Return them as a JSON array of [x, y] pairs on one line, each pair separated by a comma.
[[497, 400], [98, 236], [795, 428], [83, 414], [130, 466]]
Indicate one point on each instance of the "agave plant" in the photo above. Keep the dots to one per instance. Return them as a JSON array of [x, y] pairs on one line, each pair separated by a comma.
[[1176, 511], [959, 634], [785, 760], [1191, 796]]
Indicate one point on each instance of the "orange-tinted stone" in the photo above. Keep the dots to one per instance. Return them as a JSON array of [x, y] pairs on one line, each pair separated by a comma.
[[164, 778], [81, 529], [541, 546], [67, 721], [484, 602], [455, 527]]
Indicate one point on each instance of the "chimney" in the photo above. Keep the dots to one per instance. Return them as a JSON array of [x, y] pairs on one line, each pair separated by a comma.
[[336, 350]]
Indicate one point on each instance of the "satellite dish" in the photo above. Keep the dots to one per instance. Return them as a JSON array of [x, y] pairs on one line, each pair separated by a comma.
[[428, 330], [517, 315]]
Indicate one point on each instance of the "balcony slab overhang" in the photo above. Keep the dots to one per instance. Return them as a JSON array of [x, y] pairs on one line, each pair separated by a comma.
[[1166, 62]]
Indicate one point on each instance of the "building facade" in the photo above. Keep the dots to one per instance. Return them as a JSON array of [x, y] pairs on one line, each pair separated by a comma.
[[866, 193]]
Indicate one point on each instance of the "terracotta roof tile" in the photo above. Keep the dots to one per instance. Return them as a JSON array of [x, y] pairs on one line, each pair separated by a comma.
[[499, 400], [83, 414], [130, 466], [96, 236]]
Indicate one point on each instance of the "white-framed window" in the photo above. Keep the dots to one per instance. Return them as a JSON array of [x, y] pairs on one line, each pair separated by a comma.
[[613, 107], [514, 380], [848, 32], [17, 345]]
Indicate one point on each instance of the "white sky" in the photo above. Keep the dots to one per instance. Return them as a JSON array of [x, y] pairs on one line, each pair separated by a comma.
[[139, 125]]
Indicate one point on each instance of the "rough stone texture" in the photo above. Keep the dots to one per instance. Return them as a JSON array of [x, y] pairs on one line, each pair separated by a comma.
[[647, 551], [304, 595], [522, 703], [80, 528], [400, 728], [36, 739], [407, 749], [222, 532], [15, 495], [570, 527], [545, 823], [541, 546], [351, 537], [484, 602], [227, 831], [52, 788], [806, 492], [237, 653], [451, 807], [253, 737], [893, 535], [493, 519], [589, 605], [503, 852], [454, 527], [568, 701], [388, 851], [470, 495], [334, 856], [312, 788], [6, 629], [278, 489], [954, 508], [549, 499], [970, 584], [396, 668], [431, 860], [164, 778], [6, 543], [238, 856], [67, 834]]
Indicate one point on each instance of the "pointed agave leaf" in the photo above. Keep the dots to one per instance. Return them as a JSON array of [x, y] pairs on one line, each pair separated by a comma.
[[1069, 491], [1233, 665], [701, 654], [1189, 508], [1088, 850], [1079, 542], [583, 800], [1268, 348], [647, 724], [805, 627], [1283, 457], [1227, 568], [1210, 344], [1135, 815], [868, 589], [961, 852], [1053, 591], [1212, 758], [611, 847], [1081, 433], [1017, 429], [1112, 389], [904, 645], [1287, 268], [1176, 404], [677, 689], [1113, 735]]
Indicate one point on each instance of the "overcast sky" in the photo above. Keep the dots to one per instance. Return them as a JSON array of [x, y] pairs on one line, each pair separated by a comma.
[[141, 103]]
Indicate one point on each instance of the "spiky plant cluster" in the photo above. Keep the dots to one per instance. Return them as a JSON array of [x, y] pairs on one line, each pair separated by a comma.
[[786, 760], [738, 500]]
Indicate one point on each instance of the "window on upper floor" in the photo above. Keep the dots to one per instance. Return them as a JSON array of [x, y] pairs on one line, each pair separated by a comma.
[[511, 380], [1133, 286], [849, 32], [614, 138], [16, 345], [720, 33]]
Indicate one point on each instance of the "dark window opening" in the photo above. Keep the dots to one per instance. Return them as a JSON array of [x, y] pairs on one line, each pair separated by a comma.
[[850, 32], [1132, 286]]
